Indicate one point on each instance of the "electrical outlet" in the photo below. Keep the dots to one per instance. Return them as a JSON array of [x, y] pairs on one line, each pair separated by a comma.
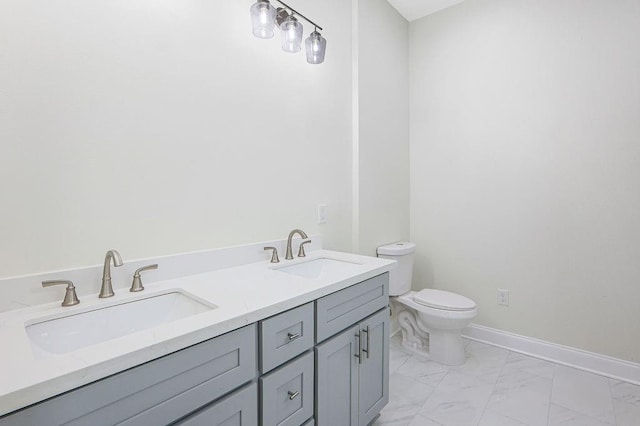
[[322, 213], [503, 297]]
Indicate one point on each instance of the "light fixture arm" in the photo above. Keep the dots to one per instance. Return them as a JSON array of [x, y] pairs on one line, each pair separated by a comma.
[[300, 15]]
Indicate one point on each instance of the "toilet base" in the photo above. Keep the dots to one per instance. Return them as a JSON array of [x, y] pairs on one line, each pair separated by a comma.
[[442, 346], [447, 347], [413, 338]]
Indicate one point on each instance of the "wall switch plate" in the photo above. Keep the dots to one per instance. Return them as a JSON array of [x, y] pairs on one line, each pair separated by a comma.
[[322, 213], [503, 297]]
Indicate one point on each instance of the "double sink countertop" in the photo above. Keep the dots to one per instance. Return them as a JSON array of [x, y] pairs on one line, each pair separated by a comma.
[[237, 296]]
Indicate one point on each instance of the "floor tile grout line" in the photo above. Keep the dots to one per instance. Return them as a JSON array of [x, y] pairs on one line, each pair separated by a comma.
[[553, 380], [613, 408], [586, 415], [573, 410], [495, 384], [435, 388], [534, 371], [401, 364]]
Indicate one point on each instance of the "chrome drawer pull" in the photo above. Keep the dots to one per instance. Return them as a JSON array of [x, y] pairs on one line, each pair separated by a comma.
[[366, 330], [293, 336], [359, 354], [293, 395]]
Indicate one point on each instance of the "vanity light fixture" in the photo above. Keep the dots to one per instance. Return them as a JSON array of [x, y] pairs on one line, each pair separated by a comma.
[[265, 17], [316, 45], [291, 34]]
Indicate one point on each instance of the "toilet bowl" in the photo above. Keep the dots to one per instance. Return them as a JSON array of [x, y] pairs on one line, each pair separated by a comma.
[[432, 327], [431, 320]]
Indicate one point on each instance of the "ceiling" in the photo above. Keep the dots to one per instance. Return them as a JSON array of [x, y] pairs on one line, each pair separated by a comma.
[[416, 9]]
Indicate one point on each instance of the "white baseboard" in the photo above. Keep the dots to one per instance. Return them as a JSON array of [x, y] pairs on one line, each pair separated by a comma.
[[588, 361]]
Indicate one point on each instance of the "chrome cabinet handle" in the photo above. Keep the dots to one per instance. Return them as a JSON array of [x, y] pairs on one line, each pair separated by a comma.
[[293, 336], [359, 354], [366, 330], [136, 285], [70, 296], [293, 395]]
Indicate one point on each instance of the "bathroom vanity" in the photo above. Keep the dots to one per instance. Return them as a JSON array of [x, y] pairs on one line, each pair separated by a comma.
[[312, 349]]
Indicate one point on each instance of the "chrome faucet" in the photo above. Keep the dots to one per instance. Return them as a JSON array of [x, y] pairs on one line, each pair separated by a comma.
[[300, 232], [107, 290]]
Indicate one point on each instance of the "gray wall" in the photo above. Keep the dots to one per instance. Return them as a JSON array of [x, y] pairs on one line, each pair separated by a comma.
[[383, 133], [525, 165], [159, 127]]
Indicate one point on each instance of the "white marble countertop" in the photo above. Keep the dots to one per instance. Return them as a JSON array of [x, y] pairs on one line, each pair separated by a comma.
[[242, 294]]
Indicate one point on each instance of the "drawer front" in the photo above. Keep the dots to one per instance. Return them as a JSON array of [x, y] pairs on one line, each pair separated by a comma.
[[344, 308], [286, 394], [238, 409], [310, 422], [158, 392], [286, 336]]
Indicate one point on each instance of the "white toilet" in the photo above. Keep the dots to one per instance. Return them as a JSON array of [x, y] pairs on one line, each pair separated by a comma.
[[431, 320]]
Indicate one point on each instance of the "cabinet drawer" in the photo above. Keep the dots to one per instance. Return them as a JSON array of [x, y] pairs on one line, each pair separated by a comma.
[[285, 336], [158, 392], [238, 409], [286, 394], [344, 308]]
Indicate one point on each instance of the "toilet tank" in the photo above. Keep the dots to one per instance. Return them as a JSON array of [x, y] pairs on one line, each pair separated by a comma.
[[399, 278]]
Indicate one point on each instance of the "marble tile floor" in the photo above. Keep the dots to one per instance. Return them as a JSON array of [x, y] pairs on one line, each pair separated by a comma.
[[496, 387]]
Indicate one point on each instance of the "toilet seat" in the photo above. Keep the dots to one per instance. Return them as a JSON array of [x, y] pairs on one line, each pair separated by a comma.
[[439, 299]]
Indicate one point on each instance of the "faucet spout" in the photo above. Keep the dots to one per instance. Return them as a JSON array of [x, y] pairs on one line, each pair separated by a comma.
[[107, 289], [302, 234]]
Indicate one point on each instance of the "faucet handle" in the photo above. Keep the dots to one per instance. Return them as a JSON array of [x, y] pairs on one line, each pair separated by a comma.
[[136, 285], [274, 254], [70, 296], [301, 252]]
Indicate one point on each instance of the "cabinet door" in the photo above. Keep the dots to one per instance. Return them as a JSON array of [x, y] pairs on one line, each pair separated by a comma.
[[374, 369], [238, 409], [337, 380]]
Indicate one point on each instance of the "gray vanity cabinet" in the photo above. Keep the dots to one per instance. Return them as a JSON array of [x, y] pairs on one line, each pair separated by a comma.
[[352, 368], [265, 373], [373, 373], [285, 336], [287, 393], [286, 390], [342, 309], [158, 392], [238, 409], [337, 379], [352, 373]]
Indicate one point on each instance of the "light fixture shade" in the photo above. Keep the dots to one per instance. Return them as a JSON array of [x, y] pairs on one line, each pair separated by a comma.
[[316, 46], [291, 31], [263, 17]]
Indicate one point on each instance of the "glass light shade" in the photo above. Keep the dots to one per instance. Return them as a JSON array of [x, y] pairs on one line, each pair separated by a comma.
[[316, 46], [263, 18], [291, 31]]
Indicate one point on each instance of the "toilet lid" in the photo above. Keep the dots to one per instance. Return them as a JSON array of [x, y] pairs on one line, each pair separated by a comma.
[[440, 299]]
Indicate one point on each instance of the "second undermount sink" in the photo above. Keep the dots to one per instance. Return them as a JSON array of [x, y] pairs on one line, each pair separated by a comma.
[[72, 332], [319, 268]]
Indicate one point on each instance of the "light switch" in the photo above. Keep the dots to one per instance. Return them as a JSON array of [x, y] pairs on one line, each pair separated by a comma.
[[322, 211]]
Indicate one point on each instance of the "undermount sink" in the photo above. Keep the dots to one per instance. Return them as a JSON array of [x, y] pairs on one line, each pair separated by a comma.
[[319, 268], [72, 332]]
